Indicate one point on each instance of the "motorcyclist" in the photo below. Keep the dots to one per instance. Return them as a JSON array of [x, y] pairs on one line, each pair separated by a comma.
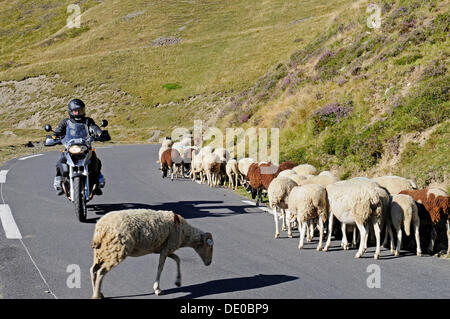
[[76, 108]]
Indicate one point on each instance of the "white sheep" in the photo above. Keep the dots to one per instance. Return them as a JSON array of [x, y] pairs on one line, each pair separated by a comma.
[[404, 211], [278, 193], [211, 166], [287, 173], [385, 202], [358, 204], [395, 184], [323, 180], [232, 171], [196, 165], [138, 232], [308, 203], [305, 169]]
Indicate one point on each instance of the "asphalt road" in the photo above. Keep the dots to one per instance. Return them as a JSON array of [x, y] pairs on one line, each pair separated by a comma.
[[54, 248]]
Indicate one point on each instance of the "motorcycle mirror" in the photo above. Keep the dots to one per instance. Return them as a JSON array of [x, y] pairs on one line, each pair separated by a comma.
[[48, 128], [104, 123]]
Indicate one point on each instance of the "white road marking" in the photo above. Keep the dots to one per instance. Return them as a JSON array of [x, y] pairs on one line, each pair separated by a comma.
[[31, 156], [8, 222], [3, 176]]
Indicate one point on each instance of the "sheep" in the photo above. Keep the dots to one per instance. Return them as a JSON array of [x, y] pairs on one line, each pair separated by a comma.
[[138, 232], [278, 193], [305, 169], [433, 205], [211, 166], [223, 156], [171, 158], [403, 211], [395, 184], [358, 204], [323, 180], [243, 166], [165, 144], [232, 171], [385, 201], [260, 175], [287, 173], [308, 203], [196, 165], [327, 173]]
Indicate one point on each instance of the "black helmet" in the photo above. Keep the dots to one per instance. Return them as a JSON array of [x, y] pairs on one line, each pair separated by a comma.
[[76, 105]]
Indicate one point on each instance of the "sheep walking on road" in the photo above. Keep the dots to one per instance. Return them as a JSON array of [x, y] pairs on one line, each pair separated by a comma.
[[138, 232], [434, 208], [358, 204], [308, 203], [171, 160], [232, 171], [404, 212], [278, 193]]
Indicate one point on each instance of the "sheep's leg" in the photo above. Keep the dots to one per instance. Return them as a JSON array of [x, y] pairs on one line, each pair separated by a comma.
[[258, 196], [432, 239], [311, 227], [177, 260], [283, 214], [162, 260], [398, 231], [236, 181], [377, 230], [97, 274], [275, 218], [319, 246], [288, 224], [416, 235], [354, 237], [344, 241], [302, 232], [330, 230], [363, 230]]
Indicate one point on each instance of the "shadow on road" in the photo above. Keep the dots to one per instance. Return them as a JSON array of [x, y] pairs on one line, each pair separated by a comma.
[[223, 286], [187, 209]]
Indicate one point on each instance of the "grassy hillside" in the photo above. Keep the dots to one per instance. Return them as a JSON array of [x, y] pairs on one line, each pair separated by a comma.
[[346, 97]]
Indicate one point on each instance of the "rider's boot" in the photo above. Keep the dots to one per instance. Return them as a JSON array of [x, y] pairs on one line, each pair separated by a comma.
[[57, 185], [101, 181]]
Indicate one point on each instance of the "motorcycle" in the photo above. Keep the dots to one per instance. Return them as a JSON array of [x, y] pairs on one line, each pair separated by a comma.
[[76, 182]]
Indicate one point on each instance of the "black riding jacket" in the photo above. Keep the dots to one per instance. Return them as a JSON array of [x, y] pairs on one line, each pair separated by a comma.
[[93, 128]]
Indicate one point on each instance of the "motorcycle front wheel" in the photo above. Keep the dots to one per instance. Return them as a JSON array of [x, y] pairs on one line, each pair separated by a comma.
[[79, 199]]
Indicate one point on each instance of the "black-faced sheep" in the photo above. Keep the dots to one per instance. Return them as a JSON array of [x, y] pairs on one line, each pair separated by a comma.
[[138, 232]]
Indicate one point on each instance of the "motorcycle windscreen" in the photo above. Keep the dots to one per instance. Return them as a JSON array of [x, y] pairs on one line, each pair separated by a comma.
[[76, 133]]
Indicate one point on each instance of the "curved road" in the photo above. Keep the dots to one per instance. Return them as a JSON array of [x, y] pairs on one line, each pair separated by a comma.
[[54, 249]]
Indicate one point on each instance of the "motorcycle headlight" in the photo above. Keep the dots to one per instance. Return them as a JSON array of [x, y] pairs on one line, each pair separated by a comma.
[[77, 149]]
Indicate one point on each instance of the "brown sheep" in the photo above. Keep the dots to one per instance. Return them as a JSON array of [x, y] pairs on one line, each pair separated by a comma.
[[260, 175], [436, 207], [170, 158]]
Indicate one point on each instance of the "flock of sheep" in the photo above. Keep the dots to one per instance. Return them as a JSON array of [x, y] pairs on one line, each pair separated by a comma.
[[298, 194]]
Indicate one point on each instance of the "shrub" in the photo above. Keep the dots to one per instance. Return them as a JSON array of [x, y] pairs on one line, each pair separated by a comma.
[[329, 115]]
